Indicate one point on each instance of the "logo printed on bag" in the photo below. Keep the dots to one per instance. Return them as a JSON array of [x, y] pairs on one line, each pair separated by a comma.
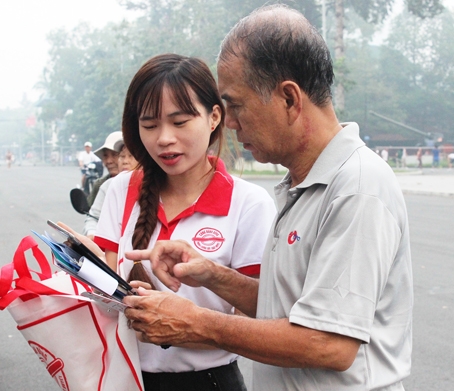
[[53, 365], [208, 239]]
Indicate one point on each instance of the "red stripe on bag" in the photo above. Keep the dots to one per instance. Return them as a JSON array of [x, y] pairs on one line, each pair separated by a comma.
[[104, 344], [128, 360], [57, 314], [96, 324]]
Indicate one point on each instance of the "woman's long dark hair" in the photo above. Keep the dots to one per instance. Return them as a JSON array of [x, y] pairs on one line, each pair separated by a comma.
[[181, 75]]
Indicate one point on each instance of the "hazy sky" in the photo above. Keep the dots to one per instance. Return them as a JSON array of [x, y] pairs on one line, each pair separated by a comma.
[[24, 25]]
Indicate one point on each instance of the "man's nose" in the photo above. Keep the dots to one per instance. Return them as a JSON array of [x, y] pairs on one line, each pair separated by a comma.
[[231, 122]]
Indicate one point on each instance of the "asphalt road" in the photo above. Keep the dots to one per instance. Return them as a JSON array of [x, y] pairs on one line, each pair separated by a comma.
[[31, 195]]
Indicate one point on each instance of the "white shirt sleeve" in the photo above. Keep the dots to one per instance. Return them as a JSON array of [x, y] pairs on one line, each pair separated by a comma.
[[95, 210], [253, 228], [109, 224]]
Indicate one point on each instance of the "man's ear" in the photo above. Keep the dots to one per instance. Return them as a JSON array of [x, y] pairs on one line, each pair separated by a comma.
[[293, 96]]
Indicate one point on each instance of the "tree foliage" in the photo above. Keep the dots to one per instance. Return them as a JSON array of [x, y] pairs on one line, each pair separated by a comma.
[[424, 8], [409, 78], [372, 11], [89, 69]]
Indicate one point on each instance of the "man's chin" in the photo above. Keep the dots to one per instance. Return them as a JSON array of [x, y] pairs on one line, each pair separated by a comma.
[[259, 158]]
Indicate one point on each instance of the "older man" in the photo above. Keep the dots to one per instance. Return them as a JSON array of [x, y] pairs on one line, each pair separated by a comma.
[[109, 157], [332, 310]]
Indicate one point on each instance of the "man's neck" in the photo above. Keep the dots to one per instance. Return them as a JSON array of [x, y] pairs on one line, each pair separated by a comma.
[[320, 126]]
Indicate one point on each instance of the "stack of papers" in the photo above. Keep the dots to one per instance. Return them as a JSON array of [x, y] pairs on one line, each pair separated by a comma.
[[77, 260]]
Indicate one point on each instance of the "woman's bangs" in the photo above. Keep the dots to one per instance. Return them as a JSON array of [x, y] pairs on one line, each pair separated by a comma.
[[149, 99], [182, 95]]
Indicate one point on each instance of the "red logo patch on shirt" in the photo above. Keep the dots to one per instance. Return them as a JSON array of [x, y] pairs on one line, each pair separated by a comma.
[[208, 239], [293, 237]]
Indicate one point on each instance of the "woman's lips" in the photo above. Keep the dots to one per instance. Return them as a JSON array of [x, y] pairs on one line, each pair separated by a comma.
[[170, 159]]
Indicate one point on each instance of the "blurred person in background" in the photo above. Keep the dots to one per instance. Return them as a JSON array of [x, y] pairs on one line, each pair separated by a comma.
[[419, 157], [435, 157], [85, 158], [9, 158], [109, 157], [450, 160], [126, 162]]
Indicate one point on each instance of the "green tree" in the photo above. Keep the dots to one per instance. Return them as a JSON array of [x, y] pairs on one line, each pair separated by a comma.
[[409, 79], [427, 85], [373, 11], [89, 69], [87, 74]]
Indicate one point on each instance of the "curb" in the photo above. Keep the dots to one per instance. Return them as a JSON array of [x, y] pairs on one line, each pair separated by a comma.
[[428, 193]]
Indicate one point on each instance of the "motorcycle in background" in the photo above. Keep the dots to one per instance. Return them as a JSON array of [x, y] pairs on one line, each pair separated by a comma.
[[80, 203], [92, 171]]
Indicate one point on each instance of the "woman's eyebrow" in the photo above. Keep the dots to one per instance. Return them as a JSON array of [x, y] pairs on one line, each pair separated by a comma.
[[146, 118], [170, 115]]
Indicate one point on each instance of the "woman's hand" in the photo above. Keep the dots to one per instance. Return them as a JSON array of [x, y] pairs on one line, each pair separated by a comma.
[[92, 246]]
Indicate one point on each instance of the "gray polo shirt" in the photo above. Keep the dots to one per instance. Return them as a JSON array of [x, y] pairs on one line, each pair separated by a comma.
[[339, 261]]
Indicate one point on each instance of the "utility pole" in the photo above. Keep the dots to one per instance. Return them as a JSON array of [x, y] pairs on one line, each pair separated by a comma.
[[339, 56], [324, 20]]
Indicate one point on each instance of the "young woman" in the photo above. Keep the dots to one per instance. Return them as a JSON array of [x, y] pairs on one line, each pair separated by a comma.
[[173, 115]]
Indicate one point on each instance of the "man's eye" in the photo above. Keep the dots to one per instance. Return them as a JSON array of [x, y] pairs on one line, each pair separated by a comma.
[[231, 106]]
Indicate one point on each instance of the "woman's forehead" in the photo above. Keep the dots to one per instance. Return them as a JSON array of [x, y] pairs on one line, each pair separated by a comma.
[[181, 99]]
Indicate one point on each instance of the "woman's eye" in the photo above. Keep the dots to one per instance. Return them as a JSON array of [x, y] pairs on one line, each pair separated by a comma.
[[180, 123]]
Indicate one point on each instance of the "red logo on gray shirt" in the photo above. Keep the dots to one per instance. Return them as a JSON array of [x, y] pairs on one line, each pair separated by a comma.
[[293, 237]]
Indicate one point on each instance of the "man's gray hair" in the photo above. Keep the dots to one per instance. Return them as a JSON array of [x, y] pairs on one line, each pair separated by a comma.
[[278, 43]]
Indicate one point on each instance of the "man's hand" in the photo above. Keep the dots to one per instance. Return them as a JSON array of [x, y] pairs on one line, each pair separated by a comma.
[[162, 317], [176, 262]]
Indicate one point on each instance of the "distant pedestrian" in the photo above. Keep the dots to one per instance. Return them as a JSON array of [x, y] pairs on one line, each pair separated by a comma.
[[435, 157], [9, 158], [451, 159], [419, 157], [403, 159], [398, 158], [385, 154]]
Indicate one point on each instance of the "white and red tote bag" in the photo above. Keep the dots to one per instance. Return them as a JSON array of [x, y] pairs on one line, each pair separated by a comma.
[[83, 345]]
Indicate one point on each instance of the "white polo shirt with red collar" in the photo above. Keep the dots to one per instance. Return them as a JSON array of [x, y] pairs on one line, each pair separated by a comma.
[[229, 224]]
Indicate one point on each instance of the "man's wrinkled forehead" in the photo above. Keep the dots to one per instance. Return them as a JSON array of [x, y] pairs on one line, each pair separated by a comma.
[[230, 72]]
